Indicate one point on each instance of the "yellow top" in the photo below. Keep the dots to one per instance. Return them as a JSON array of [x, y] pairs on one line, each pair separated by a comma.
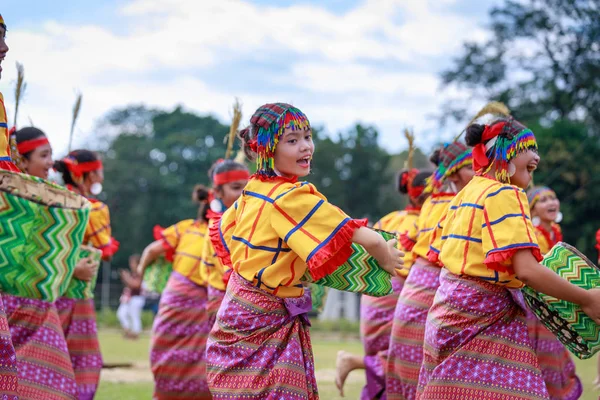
[[545, 239], [433, 210], [187, 238], [4, 140], [211, 267], [278, 229], [401, 223], [98, 232], [487, 222]]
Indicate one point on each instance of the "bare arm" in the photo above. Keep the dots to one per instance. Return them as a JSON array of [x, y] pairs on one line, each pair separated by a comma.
[[151, 253], [531, 273], [386, 253]]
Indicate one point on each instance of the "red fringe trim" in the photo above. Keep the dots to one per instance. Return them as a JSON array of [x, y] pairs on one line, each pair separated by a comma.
[[433, 257], [9, 166], [493, 261], [215, 238], [157, 231], [226, 276], [336, 252], [110, 249], [406, 242]]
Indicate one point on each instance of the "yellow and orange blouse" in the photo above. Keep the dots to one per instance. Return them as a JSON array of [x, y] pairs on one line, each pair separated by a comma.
[[546, 240], [400, 223], [211, 267], [186, 239], [434, 208], [486, 223], [98, 232], [280, 228], [5, 158]]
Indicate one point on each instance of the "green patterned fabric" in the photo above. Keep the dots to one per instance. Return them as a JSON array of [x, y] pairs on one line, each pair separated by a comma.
[[79, 289], [41, 228], [578, 332], [157, 274], [360, 274], [318, 296]]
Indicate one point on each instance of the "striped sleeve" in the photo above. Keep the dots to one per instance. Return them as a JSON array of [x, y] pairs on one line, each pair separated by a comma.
[[506, 228], [98, 231], [317, 231]]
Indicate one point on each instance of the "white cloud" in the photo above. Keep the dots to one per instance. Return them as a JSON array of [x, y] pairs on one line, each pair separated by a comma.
[[377, 58]]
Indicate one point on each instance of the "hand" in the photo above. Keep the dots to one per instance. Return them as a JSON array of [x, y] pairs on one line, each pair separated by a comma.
[[140, 269], [394, 260], [592, 305], [86, 269]]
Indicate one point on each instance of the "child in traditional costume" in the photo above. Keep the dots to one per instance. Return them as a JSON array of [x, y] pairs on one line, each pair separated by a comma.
[[8, 358], [83, 173], [180, 330], [259, 347], [376, 313], [476, 340], [558, 369], [229, 179], [454, 171]]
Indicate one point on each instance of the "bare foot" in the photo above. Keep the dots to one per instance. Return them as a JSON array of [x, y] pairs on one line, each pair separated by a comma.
[[343, 366]]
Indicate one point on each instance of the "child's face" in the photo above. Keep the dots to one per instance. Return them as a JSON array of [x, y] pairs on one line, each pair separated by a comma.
[[525, 163], [40, 162], [230, 192], [294, 152], [547, 207]]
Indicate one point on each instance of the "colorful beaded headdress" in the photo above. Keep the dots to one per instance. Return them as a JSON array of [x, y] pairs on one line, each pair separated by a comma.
[[536, 193], [453, 156], [501, 142], [268, 124]]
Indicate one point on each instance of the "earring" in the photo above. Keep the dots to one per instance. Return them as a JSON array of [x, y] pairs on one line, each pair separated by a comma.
[[559, 217], [216, 206], [511, 169], [536, 221]]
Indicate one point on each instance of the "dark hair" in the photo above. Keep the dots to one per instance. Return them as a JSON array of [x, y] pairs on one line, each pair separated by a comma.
[[28, 133], [474, 134], [79, 156], [221, 166], [246, 135], [435, 157], [200, 195], [419, 180]]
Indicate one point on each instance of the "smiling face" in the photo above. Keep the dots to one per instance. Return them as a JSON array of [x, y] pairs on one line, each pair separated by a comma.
[[39, 161], [461, 177], [293, 153], [3, 47], [547, 207], [524, 163]]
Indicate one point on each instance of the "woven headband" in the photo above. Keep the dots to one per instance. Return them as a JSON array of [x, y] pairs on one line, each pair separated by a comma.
[[536, 193], [28, 146], [230, 176]]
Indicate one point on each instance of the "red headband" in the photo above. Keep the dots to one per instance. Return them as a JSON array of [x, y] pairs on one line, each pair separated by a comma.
[[230, 176], [28, 146], [480, 159], [78, 169]]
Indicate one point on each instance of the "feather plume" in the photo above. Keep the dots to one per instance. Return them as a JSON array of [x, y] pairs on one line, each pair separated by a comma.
[[235, 124], [19, 89], [410, 137], [76, 109], [491, 108]]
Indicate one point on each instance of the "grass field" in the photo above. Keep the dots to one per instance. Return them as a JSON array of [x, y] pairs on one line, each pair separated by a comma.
[[135, 383]]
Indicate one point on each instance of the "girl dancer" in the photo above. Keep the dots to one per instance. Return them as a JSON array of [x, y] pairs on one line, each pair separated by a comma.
[[83, 173], [376, 313], [181, 325], [454, 171], [476, 342], [229, 179], [259, 347], [555, 361]]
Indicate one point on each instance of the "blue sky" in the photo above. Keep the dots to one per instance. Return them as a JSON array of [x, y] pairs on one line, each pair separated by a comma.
[[373, 61]]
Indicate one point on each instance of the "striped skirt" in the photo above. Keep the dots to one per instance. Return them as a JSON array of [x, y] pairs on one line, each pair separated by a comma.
[[259, 348], [477, 345], [376, 317], [78, 319], [179, 341], [555, 361], [9, 380], [406, 345], [215, 298], [45, 370]]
